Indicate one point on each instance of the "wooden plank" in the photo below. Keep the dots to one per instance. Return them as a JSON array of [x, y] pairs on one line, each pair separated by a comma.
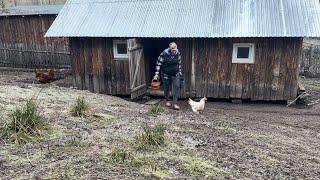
[[215, 67], [108, 66], [201, 68], [282, 79], [264, 71], [245, 82], [193, 68], [96, 65], [137, 69], [256, 72], [288, 58], [82, 62], [261, 69], [122, 78], [295, 67], [275, 69], [210, 65], [240, 80], [101, 64], [239, 75], [224, 60], [127, 77], [269, 68], [225, 85], [197, 68], [233, 80]]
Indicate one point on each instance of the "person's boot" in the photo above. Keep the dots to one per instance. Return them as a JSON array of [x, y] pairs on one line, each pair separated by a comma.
[[176, 107], [168, 103]]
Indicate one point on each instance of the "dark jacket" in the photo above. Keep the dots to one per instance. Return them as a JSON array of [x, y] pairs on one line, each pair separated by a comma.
[[169, 63]]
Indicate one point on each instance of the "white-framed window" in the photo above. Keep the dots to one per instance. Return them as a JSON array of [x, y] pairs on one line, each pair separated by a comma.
[[243, 53], [120, 49]]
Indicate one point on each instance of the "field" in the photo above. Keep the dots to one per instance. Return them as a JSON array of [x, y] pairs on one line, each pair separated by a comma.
[[255, 140]]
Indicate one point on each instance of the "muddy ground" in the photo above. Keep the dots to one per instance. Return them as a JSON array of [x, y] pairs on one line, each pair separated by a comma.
[[228, 141]]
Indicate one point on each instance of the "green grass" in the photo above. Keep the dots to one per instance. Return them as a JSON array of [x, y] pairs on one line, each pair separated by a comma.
[[199, 167], [155, 110], [80, 108], [150, 137], [118, 156], [25, 124], [268, 160], [312, 85]]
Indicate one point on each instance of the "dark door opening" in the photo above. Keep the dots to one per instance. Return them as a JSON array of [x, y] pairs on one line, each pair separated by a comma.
[[153, 47]]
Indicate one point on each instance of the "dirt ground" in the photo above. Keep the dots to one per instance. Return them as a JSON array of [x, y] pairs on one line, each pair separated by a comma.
[[228, 141]]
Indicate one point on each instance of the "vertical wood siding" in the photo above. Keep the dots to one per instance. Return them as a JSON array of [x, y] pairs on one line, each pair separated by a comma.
[[273, 76], [95, 69], [23, 45]]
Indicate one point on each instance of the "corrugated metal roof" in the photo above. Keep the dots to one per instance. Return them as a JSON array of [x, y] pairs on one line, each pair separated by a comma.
[[188, 18], [30, 10]]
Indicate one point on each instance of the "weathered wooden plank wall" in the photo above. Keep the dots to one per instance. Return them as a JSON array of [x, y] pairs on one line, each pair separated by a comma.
[[95, 69], [273, 76], [23, 45]]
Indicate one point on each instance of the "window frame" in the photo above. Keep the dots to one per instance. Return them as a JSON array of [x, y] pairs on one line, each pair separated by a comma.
[[249, 60], [116, 55]]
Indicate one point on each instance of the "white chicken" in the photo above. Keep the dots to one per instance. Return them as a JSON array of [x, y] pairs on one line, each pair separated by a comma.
[[197, 107]]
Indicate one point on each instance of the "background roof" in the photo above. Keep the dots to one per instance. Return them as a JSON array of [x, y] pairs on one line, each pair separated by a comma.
[[188, 18], [31, 10]]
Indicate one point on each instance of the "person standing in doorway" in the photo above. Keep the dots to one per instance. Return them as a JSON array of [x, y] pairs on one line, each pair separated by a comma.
[[169, 62]]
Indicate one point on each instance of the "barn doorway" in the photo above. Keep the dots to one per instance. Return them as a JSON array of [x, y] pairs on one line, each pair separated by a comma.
[[153, 47], [143, 56]]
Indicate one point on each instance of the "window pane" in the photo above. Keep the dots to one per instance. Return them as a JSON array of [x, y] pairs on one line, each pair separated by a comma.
[[122, 48], [243, 52]]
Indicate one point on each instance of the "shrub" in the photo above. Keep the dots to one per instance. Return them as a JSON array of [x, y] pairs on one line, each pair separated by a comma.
[[151, 137], [26, 123], [80, 107], [156, 109]]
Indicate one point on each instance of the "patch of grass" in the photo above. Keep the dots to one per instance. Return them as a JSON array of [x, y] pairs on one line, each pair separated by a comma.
[[154, 172], [80, 108], [118, 156], [155, 110], [310, 83], [149, 166], [201, 168], [270, 161], [227, 129], [150, 137], [26, 123], [70, 148]]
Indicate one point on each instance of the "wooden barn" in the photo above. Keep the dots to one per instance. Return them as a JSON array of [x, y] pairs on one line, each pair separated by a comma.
[[22, 41], [234, 49]]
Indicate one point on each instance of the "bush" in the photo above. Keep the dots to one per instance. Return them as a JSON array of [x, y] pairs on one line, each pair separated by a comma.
[[26, 123], [151, 137], [80, 107]]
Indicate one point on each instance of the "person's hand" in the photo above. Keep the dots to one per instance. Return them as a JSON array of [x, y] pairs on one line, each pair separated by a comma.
[[180, 73], [156, 76]]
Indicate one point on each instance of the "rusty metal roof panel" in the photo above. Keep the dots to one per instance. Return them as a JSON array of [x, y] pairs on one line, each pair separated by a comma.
[[188, 18]]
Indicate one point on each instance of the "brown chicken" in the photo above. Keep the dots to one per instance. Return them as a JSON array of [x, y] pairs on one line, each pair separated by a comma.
[[45, 77]]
